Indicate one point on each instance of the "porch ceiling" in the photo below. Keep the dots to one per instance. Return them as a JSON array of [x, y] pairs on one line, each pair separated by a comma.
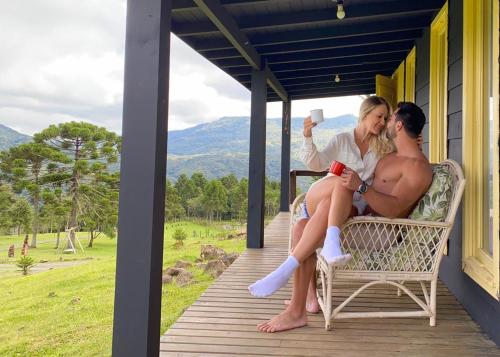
[[301, 43]]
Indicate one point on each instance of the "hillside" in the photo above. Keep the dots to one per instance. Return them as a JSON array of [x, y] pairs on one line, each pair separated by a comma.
[[9, 137], [221, 147]]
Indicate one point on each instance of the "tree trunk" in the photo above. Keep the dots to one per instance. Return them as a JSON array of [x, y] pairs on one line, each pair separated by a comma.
[[36, 209], [58, 237], [91, 241]]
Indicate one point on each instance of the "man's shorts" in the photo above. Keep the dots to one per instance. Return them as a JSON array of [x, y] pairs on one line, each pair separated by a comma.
[[359, 202]]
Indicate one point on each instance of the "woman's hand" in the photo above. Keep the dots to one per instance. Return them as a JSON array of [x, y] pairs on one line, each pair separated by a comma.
[[350, 179], [308, 125]]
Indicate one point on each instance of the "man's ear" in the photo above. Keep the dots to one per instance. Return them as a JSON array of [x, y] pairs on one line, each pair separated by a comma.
[[399, 125]]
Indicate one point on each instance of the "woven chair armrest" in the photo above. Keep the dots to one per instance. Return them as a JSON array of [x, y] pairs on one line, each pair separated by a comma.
[[298, 200], [392, 221]]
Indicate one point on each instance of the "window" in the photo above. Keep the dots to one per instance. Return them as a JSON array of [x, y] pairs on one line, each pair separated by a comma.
[[480, 149], [438, 86]]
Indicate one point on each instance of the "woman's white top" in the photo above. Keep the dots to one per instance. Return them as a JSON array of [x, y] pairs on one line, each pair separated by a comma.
[[342, 147]]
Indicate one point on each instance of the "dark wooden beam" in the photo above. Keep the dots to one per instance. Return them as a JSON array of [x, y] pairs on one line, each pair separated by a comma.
[[318, 45], [257, 161], [328, 15], [223, 21], [286, 128], [138, 289], [226, 24], [336, 31]]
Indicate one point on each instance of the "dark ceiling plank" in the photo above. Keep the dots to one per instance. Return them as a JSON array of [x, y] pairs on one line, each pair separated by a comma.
[[338, 88], [188, 5], [340, 64], [328, 94], [343, 42], [370, 27], [353, 77], [360, 91], [226, 24], [327, 15], [349, 52], [330, 85], [340, 71], [325, 78], [336, 54]]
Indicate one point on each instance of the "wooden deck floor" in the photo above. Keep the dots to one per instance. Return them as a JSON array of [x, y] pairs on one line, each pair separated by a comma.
[[222, 322]]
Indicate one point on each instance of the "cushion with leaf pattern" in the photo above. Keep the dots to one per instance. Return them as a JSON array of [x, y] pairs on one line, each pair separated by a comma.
[[433, 206]]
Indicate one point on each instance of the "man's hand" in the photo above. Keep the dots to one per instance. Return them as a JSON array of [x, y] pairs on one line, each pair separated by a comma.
[[308, 125], [350, 179]]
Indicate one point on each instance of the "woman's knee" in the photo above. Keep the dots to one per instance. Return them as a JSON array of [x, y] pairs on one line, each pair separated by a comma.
[[297, 230]]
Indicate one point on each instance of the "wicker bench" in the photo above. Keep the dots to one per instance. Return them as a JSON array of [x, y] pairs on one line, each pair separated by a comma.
[[392, 251]]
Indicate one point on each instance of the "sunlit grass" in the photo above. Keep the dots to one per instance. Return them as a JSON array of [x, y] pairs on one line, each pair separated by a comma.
[[69, 311]]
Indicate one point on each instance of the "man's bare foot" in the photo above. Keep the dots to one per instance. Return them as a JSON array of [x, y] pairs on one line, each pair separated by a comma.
[[312, 306], [282, 322]]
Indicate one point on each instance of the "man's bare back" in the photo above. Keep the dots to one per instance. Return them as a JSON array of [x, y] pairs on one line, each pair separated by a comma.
[[406, 178]]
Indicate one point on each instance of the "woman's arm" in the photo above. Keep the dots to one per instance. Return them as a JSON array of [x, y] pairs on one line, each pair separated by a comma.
[[313, 159]]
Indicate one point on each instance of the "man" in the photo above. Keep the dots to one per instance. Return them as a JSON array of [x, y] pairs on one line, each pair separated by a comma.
[[400, 180]]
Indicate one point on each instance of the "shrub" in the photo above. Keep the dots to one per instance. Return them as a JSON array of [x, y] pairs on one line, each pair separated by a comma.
[[180, 236], [25, 263]]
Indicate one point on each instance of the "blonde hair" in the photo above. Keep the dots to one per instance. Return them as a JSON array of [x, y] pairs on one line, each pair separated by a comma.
[[380, 144]]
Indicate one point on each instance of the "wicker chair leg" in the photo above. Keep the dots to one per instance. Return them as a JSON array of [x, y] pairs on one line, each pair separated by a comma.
[[328, 313], [433, 302]]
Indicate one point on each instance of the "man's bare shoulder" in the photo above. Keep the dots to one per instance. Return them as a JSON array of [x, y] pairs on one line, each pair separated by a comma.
[[418, 169]]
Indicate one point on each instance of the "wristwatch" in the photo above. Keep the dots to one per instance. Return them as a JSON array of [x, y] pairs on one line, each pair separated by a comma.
[[362, 188]]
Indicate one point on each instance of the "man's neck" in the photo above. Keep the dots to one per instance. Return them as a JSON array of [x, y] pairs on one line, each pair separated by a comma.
[[406, 146]]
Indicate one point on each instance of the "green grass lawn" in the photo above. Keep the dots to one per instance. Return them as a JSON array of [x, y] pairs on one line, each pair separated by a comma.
[[69, 311]]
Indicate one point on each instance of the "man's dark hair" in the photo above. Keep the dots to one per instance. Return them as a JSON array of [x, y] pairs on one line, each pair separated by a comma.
[[412, 117]]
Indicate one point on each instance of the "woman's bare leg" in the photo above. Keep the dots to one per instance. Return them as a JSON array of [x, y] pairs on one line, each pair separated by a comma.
[[312, 305], [295, 314], [314, 235]]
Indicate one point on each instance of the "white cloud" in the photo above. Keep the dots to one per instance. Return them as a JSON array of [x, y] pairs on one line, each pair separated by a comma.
[[63, 60]]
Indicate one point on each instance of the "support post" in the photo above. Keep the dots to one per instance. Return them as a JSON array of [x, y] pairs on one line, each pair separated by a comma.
[[286, 127], [137, 309], [257, 161]]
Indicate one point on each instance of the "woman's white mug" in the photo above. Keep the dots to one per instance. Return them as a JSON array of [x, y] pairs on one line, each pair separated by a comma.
[[317, 116]]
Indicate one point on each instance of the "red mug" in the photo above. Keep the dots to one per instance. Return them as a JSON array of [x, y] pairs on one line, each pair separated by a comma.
[[337, 168]]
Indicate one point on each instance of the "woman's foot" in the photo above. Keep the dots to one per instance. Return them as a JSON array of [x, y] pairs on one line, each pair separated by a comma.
[[284, 321]]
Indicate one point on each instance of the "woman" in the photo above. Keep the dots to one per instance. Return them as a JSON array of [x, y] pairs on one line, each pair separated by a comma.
[[359, 150]]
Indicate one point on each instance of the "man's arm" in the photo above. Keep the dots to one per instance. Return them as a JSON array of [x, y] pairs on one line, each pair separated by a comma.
[[410, 187]]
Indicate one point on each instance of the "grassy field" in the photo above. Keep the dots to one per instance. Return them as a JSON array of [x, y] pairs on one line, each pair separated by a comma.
[[69, 311]]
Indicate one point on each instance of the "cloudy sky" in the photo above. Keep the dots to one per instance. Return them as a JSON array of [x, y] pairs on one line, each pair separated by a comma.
[[62, 60]]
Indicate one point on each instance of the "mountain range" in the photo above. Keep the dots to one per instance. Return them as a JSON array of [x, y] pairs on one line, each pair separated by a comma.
[[221, 147], [9, 137]]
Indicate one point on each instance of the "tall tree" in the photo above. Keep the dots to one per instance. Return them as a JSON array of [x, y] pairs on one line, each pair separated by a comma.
[[214, 198], [89, 148], [199, 180], [7, 199], [173, 207], [20, 214], [30, 167], [186, 190]]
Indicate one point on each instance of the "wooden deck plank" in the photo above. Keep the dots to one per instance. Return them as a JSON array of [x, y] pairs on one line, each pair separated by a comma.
[[222, 322]]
